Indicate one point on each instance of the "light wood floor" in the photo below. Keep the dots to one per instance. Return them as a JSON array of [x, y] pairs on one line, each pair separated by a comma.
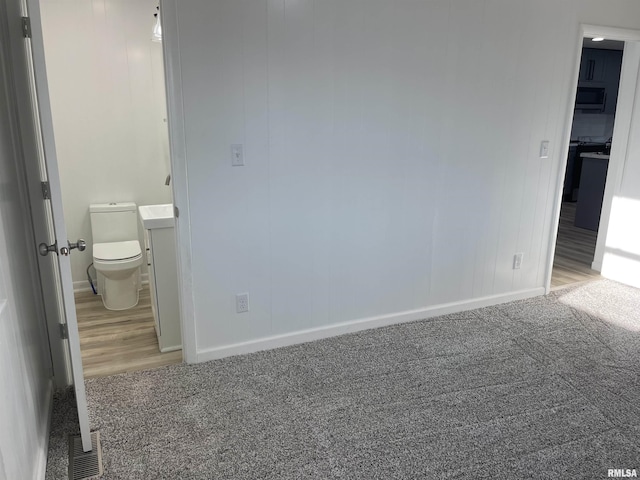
[[116, 342], [574, 251]]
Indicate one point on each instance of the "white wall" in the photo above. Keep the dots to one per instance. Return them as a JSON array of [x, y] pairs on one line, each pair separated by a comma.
[[108, 104], [391, 154], [25, 376]]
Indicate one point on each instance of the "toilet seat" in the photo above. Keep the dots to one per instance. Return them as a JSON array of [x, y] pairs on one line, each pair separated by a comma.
[[115, 251], [116, 256]]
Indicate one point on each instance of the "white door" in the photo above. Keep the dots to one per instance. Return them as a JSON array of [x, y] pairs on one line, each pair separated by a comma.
[[46, 204]]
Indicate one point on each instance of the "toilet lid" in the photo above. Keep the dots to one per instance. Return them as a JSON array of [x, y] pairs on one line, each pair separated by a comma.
[[116, 250]]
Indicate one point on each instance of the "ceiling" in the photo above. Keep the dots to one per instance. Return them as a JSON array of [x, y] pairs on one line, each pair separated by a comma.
[[603, 45]]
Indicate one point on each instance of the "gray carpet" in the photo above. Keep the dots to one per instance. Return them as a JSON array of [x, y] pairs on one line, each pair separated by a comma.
[[541, 388]]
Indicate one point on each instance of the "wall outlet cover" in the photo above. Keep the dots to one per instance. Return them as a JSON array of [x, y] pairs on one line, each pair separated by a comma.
[[517, 260], [242, 302]]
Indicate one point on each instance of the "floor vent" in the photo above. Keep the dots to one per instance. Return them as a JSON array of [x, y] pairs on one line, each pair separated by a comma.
[[85, 465]]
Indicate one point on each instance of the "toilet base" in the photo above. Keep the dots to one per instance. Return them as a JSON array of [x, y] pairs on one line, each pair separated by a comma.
[[120, 294]]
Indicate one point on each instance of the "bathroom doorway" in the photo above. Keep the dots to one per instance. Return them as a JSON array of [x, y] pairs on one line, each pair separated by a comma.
[[598, 142], [109, 112]]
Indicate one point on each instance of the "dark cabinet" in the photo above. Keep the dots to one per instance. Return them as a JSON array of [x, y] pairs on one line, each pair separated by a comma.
[[592, 183], [573, 173], [601, 69], [569, 182], [592, 65], [611, 79]]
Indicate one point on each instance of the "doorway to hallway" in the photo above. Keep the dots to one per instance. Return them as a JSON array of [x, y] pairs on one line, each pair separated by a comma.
[[587, 161]]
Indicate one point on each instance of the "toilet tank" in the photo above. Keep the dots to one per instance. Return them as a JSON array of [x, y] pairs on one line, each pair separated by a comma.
[[113, 222]]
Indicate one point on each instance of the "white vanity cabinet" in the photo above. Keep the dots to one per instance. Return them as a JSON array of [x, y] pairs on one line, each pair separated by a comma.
[[163, 285]]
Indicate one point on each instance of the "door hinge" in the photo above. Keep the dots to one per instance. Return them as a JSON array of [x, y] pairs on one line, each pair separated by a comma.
[[176, 211], [64, 331], [46, 191], [26, 27]]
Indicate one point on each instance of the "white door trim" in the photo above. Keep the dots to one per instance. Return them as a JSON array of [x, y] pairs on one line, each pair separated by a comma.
[[179, 174], [64, 261], [621, 132]]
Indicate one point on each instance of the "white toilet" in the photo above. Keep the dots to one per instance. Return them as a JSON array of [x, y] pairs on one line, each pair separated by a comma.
[[117, 256]]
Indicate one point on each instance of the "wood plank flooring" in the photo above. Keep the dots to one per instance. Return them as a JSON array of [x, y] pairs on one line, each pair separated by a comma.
[[116, 342], [574, 251]]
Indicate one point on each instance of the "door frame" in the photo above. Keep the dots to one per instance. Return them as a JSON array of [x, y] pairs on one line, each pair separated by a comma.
[[621, 131], [27, 138], [46, 160], [179, 175]]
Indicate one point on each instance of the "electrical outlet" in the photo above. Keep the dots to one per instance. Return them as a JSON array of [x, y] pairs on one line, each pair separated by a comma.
[[242, 302], [517, 260]]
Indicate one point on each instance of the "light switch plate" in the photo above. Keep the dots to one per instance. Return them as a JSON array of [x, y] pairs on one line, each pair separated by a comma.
[[544, 149], [237, 155]]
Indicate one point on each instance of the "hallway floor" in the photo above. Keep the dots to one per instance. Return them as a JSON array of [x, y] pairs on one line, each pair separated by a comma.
[[116, 342], [575, 248]]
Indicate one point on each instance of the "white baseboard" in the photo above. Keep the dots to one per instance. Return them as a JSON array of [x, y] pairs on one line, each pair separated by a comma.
[[319, 333], [171, 349], [42, 454], [83, 285]]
